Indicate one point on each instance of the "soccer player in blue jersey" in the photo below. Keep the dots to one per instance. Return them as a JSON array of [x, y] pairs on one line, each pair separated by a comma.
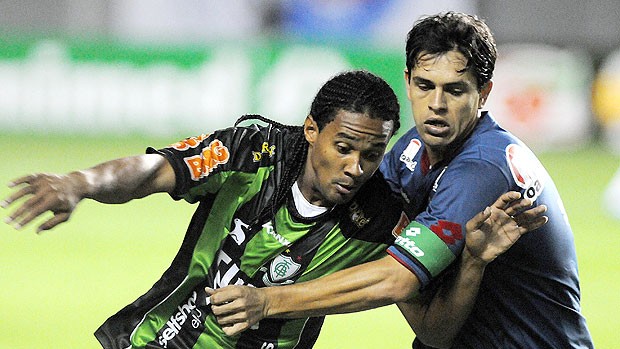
[[452, 164]]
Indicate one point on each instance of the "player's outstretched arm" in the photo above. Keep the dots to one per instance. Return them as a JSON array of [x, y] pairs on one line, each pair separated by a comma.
[[437, 321], [113, 182], [365, 286]]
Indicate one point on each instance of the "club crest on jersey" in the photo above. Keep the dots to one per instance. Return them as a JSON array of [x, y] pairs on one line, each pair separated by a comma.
[[357, 215], [409, 153], [281, 269], [526, 171]]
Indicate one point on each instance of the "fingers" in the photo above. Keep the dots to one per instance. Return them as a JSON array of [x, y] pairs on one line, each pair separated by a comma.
[[17, 195], [41, 193], [506, 199], [235, 329], [517, 209], [534, 224], [533, 218], [478, 220], [231, 315], [16, 217], [54, 221], [226, 301], [236, 308], [23, 179], [223, 295], [28, 211]]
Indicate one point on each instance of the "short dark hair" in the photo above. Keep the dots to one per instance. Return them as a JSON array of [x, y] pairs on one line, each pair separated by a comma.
[[449, 31], [356, 91]]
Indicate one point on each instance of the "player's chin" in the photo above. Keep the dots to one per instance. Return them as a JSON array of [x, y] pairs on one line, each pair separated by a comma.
[[339, 197]]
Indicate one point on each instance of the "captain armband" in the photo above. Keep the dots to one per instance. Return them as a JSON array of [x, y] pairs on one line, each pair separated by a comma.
[[422, 251]]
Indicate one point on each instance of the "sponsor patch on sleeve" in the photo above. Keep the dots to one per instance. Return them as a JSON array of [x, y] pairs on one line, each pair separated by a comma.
[[215, 154], [423, 245], [526, 171], [191, 142], [409, 153]]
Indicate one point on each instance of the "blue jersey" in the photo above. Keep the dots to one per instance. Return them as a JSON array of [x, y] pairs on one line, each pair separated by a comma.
[[529, 296]]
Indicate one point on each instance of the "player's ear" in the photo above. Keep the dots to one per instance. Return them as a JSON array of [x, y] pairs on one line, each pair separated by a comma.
[[311, 129], [407, 76], [484, 93]]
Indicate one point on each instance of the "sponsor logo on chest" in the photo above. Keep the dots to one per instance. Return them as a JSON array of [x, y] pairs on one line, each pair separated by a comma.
[[187, 311], [409, 154]]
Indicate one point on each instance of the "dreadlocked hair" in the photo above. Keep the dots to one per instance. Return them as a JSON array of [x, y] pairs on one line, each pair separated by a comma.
[[294, 163], [356, 91]]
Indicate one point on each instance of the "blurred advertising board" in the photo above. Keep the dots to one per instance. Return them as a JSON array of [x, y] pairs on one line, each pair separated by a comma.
[[104, 87], [542, 94], [606, 100]]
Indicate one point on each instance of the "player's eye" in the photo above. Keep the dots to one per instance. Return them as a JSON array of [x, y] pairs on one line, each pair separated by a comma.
[[424, 87], [373, 156], [456, 92], [343, 148]]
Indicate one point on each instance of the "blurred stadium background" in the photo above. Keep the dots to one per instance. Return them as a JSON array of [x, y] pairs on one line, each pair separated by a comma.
[[83, 81]]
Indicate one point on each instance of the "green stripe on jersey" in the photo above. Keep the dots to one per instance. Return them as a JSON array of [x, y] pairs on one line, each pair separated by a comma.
[[237, 189], [426, 247]]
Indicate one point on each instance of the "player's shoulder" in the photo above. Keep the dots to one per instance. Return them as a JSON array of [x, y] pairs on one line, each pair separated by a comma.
[[404, 139], [373, 213], [258, 139], [488, 143]]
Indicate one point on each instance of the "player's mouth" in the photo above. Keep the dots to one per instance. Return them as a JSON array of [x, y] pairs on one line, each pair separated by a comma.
[[344, 189], [436, 127]]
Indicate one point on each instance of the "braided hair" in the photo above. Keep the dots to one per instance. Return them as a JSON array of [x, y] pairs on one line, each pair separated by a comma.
[[354, 91], [298, 150]]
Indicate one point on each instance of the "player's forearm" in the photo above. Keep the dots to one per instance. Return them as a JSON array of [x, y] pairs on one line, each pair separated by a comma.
[[121, 180], [365, 286], [438, 323]]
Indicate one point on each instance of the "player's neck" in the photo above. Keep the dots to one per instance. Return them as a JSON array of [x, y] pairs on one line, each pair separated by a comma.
[[303, 206]]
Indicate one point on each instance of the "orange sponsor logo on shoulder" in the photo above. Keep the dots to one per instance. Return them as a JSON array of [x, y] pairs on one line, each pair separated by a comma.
[[191, 142], [208, 160]]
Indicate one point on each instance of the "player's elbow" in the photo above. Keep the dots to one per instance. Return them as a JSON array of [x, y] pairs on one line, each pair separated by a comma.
[[399, 284]]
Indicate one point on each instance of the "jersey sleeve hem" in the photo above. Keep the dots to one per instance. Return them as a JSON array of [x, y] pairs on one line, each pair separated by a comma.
[[176, 194], [423, 275]]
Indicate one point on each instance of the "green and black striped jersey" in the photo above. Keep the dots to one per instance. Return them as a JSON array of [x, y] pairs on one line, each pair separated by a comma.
[[232, 174]]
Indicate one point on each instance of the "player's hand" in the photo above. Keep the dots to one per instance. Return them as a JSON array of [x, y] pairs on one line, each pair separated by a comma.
[[493, 231], [238, 308], [58, 194]]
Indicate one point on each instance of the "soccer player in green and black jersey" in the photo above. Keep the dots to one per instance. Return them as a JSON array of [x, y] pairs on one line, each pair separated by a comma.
[[276, 205]]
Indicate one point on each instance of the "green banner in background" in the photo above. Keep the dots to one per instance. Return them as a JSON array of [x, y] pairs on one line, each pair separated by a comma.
[[65, 86]]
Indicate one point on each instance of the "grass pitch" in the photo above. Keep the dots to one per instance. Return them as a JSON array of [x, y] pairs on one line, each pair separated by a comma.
[[57, 288]]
